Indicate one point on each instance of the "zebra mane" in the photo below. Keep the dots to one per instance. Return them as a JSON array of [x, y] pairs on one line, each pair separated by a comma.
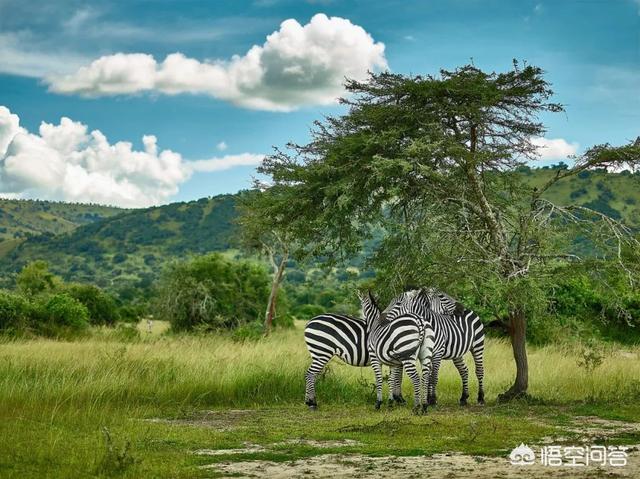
[[373, 300]]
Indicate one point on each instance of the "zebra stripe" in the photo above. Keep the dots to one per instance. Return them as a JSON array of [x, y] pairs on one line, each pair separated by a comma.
[[457, 332], [398, 344], [329, 335]]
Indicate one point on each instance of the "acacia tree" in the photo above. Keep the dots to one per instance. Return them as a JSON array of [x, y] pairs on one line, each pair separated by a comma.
[[258, 234], [434, 161]]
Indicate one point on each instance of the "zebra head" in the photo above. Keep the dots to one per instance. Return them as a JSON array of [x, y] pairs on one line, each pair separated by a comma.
[[400, 305], [370, 307], [438, 301]]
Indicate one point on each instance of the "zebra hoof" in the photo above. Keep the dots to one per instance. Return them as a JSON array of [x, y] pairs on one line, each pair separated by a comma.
[[424, 409], [400, 400], [432, 401], [463, 399], [378, 404], [313, 407], [481, 399], [418, 410]]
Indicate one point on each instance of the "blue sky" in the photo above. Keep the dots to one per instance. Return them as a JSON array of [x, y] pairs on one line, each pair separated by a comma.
[[590, 49]]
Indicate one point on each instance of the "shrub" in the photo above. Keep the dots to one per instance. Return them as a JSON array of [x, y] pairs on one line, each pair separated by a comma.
[[248, 332], [131, 313], [308, 311], [35, 278], [119, 258], [60, 312], [101, 306], [15, 312], [213, 292]]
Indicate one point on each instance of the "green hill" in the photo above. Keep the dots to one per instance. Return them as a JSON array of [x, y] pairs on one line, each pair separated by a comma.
[[124, 250], [616, 194], [127, 250], [25, 218]]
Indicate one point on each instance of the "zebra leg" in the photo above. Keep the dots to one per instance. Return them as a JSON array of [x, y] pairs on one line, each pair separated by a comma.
[[426, 373], [426, 363], [412, 372], [395, 381], [435, 367], [317, 365], [464, 375], [377, 370], [478, 359]]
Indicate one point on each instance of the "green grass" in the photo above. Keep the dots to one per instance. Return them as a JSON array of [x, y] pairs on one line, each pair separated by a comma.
[[57, 397]]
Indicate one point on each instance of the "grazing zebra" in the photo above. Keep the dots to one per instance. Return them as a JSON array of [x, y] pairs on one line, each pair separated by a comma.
[[329, 335], [457, 332], [399, 344]]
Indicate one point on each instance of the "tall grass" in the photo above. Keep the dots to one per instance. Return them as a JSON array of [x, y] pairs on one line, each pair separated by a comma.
[[215, 371]]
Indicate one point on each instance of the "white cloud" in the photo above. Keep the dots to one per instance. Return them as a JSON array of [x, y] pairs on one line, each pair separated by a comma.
[[21, 55], [68, 162], [297, 65], [226, 162], [554, 148], [222, 146]]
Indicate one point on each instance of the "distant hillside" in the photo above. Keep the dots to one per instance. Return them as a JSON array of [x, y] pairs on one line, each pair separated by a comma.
[[22, 219], [124, 250], [615, 194], [127, 250]]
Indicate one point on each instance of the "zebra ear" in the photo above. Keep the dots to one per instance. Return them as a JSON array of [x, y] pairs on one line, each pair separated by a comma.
[[372, 298]]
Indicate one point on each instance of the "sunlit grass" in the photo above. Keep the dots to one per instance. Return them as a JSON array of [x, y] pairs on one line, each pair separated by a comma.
[[217, 371], [55, 397]]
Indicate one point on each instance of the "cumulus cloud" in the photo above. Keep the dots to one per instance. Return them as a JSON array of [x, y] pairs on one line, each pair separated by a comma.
[[554, 148], [297, 65], [68, 162]]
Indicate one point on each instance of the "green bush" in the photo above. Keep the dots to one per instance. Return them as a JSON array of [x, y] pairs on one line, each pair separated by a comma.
[[212, 292], [131, 313], [612, 314], [35, 278], [60, 312], [101, 306], [248, 332], [15, 312], [308, 311]]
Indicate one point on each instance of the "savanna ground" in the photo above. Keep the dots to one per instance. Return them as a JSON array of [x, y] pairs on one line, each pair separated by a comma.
[[205, 406]]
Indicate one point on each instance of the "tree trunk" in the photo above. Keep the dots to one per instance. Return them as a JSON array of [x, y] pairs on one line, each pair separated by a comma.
[[278, 274], [518, 332]]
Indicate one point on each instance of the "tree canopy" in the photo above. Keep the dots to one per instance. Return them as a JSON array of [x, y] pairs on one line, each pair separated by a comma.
[[434, 162]]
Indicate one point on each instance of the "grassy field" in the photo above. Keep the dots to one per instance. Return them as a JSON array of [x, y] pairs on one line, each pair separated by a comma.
[[162, 405]]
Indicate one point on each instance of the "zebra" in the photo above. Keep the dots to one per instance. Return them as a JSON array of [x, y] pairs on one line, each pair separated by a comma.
[[398, 344], [329, 335], [458, 331]]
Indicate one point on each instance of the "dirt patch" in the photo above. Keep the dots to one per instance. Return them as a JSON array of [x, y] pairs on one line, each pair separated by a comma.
[[218, 420], [593, 430], [462, 466], [596, 426], [318, 444], [247, 449], [253, 448]]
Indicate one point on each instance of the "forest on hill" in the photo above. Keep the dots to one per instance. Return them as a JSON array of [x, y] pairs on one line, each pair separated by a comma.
[[125, 251]]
